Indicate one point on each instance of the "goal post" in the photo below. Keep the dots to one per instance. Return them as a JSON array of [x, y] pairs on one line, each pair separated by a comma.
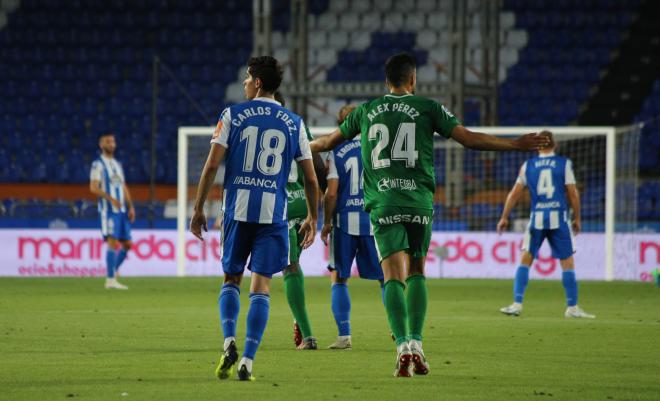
[[592, 149]]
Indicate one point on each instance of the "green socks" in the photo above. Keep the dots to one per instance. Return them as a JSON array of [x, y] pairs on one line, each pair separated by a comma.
[[416, 301], [397, 313], [294, 286]]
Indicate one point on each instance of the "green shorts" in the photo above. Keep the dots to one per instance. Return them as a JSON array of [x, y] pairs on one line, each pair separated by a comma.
[[402, 228], [295, 240]]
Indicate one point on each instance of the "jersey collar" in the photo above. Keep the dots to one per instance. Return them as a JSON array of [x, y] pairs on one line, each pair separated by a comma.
[[399, 96], [267, 99], [547, 154]]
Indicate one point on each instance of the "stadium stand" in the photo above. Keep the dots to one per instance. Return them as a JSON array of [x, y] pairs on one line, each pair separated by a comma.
[[69, 70]]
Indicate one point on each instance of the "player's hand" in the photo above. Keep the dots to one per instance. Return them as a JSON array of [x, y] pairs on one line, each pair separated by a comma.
[[131, 214], [197, 222], [502, 225], [325, 232], [577, 227], [115, 203], [532, 142], [308, 229]]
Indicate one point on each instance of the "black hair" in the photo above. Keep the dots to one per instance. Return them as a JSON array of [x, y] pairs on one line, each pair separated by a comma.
[[399, 68], [268, 70], [104, 134], [278, 96]]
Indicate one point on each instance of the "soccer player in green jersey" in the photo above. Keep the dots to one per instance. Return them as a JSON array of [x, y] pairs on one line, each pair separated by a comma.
[[294, 283], [397, 155]]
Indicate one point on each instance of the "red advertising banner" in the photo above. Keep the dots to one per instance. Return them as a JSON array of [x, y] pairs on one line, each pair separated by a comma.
[[44, 253]]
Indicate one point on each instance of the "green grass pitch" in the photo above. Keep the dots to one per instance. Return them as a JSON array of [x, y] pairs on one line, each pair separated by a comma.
[[71, 339]]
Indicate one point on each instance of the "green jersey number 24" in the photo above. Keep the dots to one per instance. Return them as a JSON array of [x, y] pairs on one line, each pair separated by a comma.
[[403, 147]]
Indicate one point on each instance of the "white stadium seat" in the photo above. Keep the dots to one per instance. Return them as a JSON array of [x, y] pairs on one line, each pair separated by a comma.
[[327, 21], [437, 20], [359, 40], [383, 5], [405, 6], [427, 5], [317, 39], [427, 39], [414, 21], [338, 6], [361, 7], [516, 38], [439, 55], [392, 22], [349, 22], [508, 56], [370, 21], [311, 22], [327, 57], [338, 39], [277, 39], [507, 20], [427, 73]]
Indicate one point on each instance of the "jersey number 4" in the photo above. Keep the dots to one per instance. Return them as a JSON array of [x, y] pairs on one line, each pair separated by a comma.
[[269, 160], [403, 147], [545, 186]]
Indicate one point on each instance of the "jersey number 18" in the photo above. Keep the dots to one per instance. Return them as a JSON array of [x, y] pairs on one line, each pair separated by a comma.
[[269, 160]]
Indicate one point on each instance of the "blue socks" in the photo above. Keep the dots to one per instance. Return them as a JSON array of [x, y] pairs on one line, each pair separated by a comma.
[[229, 304], [121, 255], [256, 323], [341, 308], [111, 262], [570, 287], [520, 283]]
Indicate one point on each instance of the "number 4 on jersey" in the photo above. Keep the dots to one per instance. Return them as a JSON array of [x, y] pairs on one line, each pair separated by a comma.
[[545, 185]]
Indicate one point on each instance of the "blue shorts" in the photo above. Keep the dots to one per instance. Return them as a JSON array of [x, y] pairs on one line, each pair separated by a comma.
[[115, 225], [267, 246], [560, 240], [345, 247]]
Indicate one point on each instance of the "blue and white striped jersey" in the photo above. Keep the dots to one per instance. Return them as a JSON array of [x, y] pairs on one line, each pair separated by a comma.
[[262, 139], [546, 176], [345, 165], [109, 172]]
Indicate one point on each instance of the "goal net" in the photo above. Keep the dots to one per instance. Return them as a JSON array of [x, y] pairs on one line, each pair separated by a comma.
[[471, 186]]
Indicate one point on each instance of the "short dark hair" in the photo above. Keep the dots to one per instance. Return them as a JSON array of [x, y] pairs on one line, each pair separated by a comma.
[[278, 96], [103, 134], [268, 70], [399, 68]]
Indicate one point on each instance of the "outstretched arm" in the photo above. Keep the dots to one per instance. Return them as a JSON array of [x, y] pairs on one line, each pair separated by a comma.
[[198, 220], [511, 200], [574, 201], [327, 142], [481, 141]]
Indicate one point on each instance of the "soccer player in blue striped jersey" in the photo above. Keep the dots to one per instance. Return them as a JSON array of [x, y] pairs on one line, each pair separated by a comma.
[[349, 229], [107, 183], [552, 188], [258, 139]]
